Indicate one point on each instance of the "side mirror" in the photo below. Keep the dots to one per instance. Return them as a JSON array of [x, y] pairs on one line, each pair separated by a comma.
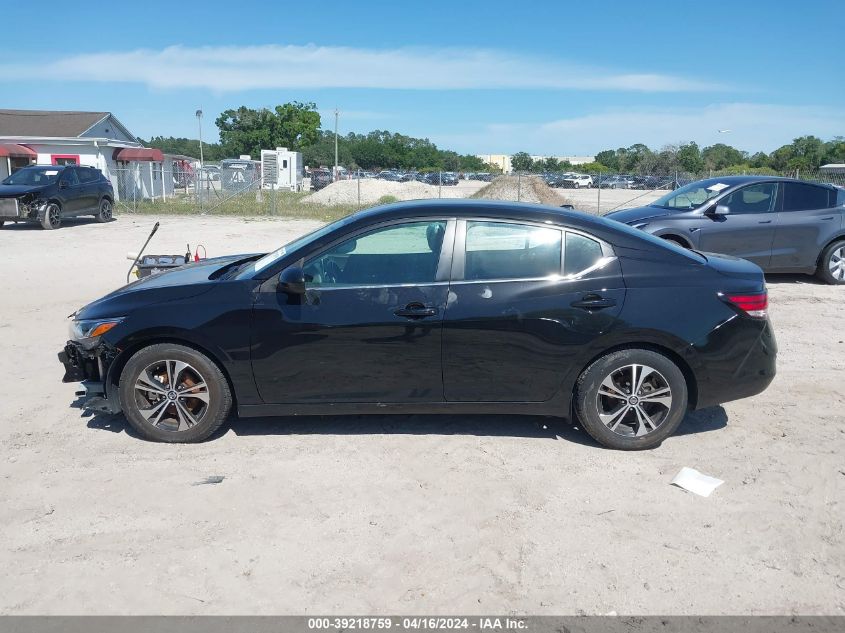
[[292, 281], [720, 209]]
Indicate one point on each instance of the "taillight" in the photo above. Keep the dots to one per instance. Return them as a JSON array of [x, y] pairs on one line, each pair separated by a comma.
[[755, 305]]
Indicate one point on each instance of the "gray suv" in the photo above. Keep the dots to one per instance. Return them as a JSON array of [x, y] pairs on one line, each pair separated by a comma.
[[780, 224]]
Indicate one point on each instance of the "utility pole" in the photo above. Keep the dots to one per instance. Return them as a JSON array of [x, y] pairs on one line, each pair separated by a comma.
[[336, 113], [200, 173], [199, 122]]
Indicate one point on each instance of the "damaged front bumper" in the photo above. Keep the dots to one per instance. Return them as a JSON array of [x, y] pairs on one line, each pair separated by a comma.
[[21, 209], [90, 368]]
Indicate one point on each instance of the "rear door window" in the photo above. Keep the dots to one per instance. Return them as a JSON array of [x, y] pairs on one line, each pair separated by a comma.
[[805, 197], [581, 254], [503, 250]]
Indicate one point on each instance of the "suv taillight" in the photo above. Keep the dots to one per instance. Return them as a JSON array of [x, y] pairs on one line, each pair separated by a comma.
[[754, 305]]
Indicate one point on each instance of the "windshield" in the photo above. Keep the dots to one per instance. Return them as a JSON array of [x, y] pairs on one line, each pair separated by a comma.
[[271, 258], [692, 195], [33, 176]]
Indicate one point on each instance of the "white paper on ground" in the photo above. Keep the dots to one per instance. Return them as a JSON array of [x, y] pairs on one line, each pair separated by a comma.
[[692, 480]]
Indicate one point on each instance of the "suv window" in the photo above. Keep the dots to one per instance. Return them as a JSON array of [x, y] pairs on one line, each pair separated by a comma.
[[804, 197], [69, 176], [580, 254], [397, 254], [759, 198], [501, 250], [87, 174]]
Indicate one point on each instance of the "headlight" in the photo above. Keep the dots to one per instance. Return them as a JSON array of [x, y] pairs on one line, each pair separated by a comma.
[[88, 332]]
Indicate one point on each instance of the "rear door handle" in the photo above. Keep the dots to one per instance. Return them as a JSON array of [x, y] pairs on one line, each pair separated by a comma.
[[765, 222], [415, 311], [593, 302]]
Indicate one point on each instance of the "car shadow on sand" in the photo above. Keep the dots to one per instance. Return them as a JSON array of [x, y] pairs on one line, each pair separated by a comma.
[[789, 278], [67, 223], [521, 426]]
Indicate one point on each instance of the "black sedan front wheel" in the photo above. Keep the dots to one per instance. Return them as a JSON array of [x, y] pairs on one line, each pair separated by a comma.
[[172, 393], [632, 399]]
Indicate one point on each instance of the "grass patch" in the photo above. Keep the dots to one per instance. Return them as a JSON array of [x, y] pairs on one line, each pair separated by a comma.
[[281, 204], [387, 199]]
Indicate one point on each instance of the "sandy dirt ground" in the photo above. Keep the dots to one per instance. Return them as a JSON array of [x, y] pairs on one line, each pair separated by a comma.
[[609, 199], [403, 515]]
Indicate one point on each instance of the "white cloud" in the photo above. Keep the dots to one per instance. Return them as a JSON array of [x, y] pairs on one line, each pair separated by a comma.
[[752, 127], [236, 68]]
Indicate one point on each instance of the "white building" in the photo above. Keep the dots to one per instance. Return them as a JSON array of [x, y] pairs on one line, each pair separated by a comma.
[[95, 139]]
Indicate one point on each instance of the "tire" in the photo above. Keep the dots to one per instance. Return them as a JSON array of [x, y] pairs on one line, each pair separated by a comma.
[[105, 212], [160, 413], [2, 222], [832, 264], [675, 240], [612, 420], [52, 216]]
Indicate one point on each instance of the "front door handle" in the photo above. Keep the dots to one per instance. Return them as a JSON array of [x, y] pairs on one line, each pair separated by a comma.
[[593, 302], [415, 311], [765, 222]]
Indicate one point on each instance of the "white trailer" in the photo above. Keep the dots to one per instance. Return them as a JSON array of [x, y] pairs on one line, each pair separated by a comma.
[[282, 169]]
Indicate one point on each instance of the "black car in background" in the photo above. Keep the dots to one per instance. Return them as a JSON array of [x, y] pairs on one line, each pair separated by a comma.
[[780, 224], [320, 178], [434, 307], [47, 193]]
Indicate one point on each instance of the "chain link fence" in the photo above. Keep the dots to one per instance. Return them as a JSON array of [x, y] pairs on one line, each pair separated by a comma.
[[242, 190]]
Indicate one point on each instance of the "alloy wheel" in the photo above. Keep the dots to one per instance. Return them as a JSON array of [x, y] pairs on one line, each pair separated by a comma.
[[836, 264], [634, 400], [172, 395], [105, 210]]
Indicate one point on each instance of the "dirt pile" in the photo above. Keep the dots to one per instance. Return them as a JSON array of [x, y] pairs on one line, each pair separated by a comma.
[[522, 188]]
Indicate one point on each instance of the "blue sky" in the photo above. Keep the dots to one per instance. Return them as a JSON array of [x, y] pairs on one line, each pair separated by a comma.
[[478, 77]]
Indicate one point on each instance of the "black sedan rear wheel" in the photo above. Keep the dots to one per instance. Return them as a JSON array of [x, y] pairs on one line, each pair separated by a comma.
[[632, 399], [172, 393], [832, 264]]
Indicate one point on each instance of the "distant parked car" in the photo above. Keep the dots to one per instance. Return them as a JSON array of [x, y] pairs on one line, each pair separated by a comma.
[[617, 182], [577, 181], [48, 193], [211, 172], [780, 224], [320, 178]]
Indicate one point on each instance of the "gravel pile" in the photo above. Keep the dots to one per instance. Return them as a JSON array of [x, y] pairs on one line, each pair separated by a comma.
[[345, 192]]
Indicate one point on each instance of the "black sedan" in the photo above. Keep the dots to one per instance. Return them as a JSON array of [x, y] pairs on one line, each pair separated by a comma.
[[780, 224], [434, 307]]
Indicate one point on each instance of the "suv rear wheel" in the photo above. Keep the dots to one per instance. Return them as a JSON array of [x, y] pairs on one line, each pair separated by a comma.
[[632, 399], [172, 393], [832, 264], [105, 212]]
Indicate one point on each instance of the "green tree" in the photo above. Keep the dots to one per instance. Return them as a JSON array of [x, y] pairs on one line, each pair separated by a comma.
[[521, 161], [689, 158], [720, 156], [247, 131], [185, 147]]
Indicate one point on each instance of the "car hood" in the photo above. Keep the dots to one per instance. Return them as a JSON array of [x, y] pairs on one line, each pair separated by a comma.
[[180, 283], [13, 191], [638, 214]]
